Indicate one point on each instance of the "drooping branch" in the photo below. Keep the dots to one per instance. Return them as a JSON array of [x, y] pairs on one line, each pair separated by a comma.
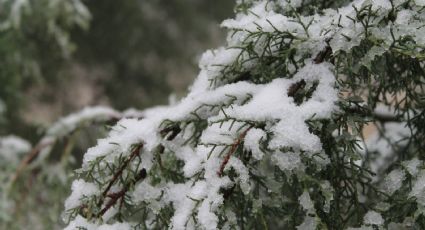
[[30, 157], [49, 141]]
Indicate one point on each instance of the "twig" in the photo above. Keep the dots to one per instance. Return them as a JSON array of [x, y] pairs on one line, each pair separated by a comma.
[[293, 89], [114, 197], [46, 142], [385, 118], [377, 116], [232, 150], [30, 157], [322, 55], [174, 129], [121, 170]]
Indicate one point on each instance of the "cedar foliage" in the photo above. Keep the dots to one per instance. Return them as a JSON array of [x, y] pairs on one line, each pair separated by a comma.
[[271, 134]]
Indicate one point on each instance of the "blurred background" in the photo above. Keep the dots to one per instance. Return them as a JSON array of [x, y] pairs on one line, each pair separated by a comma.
[[58, 56]]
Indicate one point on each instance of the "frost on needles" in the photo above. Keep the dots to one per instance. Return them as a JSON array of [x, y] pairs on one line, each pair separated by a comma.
[[270, 135]]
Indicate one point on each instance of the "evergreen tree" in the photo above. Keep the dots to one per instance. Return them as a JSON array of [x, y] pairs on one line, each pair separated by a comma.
[[271, 134], [147, 53], [274, 131], [40, 72], [34, 44]]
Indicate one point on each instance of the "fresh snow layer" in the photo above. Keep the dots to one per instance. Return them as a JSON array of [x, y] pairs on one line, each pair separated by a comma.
[[12, 148], [232, 108]]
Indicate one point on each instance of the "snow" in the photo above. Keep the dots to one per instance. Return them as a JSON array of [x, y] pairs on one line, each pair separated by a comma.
[[385, 4], [418, 190], [269, 103], [207, 218], [90, 114], [404, 16], [375, 51], [12, 148], [287, 161], [420, 2], [306, 202], [232, 111], [145, 192], [17, 11], [308, 223], [296, 3], [67, 125], [336, 23], [252, 142], [80, 189], [184, 196], [243, 173], [183, 205], [132, 113], [148, 194], [373, 218], [412, 166], [394, 180], [81, 222], [392, 133]]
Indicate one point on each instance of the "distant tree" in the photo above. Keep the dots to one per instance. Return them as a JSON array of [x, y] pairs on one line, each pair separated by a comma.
[[147, 47], [34, 43], [272, 133], [49, 48]]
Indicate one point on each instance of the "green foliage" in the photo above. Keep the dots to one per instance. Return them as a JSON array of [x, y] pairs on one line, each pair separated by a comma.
[[378, 65], [38, 50], [34, 42], [273, 134], [148, 47]]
